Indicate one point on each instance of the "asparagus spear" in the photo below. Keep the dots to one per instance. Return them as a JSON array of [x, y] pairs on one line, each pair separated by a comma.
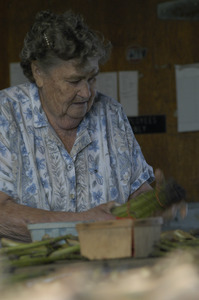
[[64, 252], [41, 252], [60, 254], [164, 246], [149, 203], [17, 250], [5, 242]]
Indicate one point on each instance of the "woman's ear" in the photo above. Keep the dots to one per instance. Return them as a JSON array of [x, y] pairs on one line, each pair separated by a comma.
[[37, 73]]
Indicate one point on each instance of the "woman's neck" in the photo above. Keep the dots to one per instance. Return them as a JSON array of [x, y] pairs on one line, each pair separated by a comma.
[[66, 131]]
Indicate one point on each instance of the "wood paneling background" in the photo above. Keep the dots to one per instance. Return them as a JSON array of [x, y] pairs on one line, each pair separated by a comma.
[[128, 23]]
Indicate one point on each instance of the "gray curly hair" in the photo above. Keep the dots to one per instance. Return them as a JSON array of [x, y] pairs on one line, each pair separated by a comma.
[[61, 36]]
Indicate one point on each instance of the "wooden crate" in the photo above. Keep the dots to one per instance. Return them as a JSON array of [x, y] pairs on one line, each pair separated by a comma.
[[106, 239], [146, 232]]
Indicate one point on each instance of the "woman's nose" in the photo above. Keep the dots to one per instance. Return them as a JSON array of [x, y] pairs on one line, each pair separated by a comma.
[[84, 90]]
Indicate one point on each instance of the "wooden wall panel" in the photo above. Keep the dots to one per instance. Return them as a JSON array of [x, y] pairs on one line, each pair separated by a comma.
[[128, 23], [4, 80]]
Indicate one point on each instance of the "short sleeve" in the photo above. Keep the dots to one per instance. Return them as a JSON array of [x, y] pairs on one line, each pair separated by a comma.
[[6, 175], [141, 171]]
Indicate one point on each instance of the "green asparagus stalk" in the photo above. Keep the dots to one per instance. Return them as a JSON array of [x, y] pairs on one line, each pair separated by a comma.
[[5, 242], [17, 250], [54, 256], [35, 252], [152, 202], [164, 246], [30, 261], [64, 252], [41, 252]]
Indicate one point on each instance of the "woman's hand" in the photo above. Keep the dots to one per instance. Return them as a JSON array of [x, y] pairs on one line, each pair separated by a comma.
[[99, 213], [172, 211]]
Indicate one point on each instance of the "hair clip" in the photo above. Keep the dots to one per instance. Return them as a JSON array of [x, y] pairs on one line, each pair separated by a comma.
[[47, 41]]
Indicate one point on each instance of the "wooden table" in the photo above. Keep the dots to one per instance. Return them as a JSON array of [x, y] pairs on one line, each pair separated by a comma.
[[117, 279]]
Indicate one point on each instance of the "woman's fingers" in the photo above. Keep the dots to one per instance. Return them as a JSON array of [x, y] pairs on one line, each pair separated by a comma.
[[172, 211], [159, 178]]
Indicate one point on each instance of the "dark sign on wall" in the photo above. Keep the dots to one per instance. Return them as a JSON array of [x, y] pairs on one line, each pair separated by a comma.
[[179, 10], [135, 53], [148, 124]]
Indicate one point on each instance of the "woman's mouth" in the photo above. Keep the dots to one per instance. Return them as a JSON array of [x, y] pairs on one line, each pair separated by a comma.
[[80, 103]]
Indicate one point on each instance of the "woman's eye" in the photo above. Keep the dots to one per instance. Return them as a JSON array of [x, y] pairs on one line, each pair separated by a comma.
[[92, 79], [74, 82]]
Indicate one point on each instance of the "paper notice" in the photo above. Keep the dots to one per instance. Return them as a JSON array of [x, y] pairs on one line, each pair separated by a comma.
[[187, 93], [128, 92], [16, 74], [107, 84]]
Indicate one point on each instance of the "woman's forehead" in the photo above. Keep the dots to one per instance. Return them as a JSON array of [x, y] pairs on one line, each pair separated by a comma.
[[75, 67], [87, 65]]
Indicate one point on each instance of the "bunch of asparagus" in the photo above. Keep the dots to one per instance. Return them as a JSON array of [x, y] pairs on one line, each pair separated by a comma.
[[152, 202], [40, 252], [174, 240]]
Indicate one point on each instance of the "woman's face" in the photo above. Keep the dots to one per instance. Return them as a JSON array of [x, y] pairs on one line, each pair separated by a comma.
[[67, 90]]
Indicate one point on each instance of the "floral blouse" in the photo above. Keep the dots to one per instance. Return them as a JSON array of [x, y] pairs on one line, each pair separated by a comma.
[[105, 163]]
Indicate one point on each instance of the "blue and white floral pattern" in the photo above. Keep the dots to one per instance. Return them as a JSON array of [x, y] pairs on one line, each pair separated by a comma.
[[106, 162]]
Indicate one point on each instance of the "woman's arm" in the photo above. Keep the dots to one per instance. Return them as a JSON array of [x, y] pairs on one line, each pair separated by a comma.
[[14, 217], [145, 187]]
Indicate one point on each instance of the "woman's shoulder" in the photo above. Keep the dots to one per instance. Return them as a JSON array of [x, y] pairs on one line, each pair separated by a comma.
[[106, 101], [18, 93]]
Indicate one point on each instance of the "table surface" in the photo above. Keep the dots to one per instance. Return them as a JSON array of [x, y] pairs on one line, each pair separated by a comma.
[[106, 266], [113, 279]]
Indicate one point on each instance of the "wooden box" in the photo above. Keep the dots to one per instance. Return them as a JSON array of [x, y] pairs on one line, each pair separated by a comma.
[[106, 239], [146, 232]]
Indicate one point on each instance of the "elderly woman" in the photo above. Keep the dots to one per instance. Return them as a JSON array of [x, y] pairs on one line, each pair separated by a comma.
[[67, 152]]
